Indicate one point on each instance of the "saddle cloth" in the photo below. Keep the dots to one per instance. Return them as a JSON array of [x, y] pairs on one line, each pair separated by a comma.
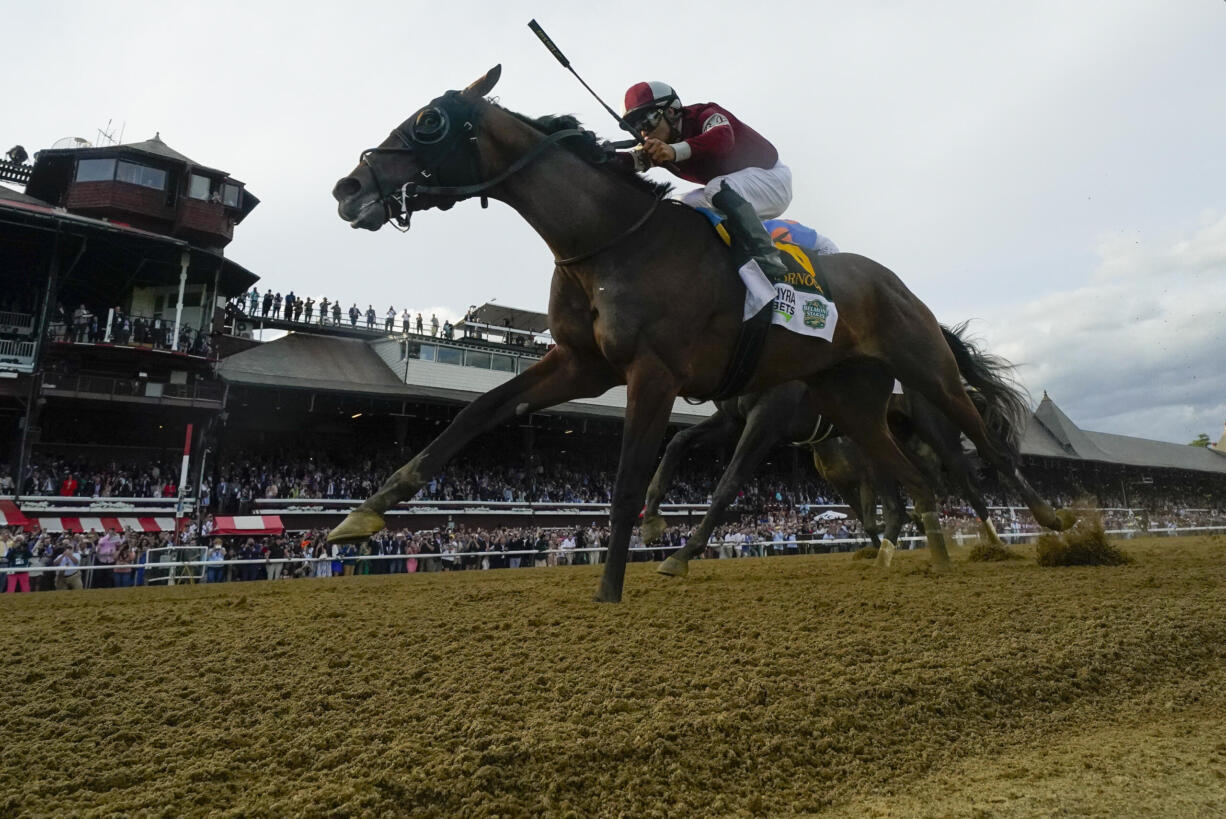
[[803, 302]]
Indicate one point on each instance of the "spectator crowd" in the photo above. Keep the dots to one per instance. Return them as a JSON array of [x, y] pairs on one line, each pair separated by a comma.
[[324, 311], [501, 474], [124, 558], [90, 324]]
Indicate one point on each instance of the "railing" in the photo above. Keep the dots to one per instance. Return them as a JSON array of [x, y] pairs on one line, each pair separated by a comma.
[[78, 329], [761, 549], [17, 172], [17, 324], [122, 388], [341, 504], [100, 507], [288, 507], [20, 353]]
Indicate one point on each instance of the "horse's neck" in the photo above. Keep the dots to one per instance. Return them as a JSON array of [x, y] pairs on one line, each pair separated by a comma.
[[571, 204]]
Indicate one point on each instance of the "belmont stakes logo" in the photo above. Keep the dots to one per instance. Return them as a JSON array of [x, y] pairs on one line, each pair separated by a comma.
[[816, 311]]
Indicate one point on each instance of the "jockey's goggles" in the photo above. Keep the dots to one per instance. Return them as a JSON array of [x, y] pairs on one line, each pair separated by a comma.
[[645, 119]]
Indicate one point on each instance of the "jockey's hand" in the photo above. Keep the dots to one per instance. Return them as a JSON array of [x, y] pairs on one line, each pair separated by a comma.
[[660, 152]]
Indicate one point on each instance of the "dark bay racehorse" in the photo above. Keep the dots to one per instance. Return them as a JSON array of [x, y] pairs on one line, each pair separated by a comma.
[[794, 412], [645, 295]]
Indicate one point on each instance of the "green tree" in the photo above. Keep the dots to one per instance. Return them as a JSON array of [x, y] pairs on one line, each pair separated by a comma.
[[1201, 440]]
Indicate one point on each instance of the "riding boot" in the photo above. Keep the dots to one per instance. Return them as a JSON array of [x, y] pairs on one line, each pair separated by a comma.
[[747, 229]]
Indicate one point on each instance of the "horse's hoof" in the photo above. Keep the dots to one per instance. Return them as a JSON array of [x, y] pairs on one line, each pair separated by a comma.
[[885, 555], [358, 525], [1067, 519], [652, 527], [941, 564], [674, 567], [607, 596], [987, 530]]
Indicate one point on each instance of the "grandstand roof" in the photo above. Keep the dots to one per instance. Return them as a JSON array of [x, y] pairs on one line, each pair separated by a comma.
[[499, 315], [1051, 434], [306, 361], [377, 367], [112, 264], [17, 196]]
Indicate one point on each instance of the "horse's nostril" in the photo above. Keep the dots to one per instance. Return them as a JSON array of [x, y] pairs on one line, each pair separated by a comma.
[[346, 188]]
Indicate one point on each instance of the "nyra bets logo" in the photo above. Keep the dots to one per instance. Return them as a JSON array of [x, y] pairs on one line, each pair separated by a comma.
[[815, 311], [785, 302]]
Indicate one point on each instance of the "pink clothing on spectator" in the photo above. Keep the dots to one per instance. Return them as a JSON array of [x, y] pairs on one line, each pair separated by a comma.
[[108, 544]]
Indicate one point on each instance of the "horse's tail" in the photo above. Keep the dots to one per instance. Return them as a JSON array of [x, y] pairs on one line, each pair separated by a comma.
[[1000, 399]]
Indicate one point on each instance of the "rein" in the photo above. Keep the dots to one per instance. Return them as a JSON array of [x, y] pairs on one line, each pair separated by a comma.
[[431, 140], [655, 203]]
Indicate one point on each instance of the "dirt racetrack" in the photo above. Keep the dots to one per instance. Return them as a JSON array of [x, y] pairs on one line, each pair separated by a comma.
[[777, 686]]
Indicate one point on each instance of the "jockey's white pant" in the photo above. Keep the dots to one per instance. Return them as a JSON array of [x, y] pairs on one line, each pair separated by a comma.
[[769, 190]]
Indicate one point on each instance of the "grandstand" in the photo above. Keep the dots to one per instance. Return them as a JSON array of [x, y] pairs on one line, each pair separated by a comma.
[[123, 325]]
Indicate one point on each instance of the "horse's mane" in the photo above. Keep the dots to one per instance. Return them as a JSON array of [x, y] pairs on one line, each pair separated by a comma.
[[588, 147]]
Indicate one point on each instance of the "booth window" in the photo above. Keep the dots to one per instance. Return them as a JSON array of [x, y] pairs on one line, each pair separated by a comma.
[[95, 170], [199, 187], [141, 175]]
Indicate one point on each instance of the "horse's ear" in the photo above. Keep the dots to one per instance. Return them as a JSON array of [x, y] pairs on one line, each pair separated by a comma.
[[483, 86]]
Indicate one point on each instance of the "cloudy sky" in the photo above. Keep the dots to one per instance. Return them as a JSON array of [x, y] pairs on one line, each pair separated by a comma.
[[1054, 170]]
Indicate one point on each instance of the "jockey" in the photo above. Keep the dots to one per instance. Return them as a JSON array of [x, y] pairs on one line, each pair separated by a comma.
[[739, 170]]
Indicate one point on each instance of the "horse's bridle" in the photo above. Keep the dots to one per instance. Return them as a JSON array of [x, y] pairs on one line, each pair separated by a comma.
[[439, 150]]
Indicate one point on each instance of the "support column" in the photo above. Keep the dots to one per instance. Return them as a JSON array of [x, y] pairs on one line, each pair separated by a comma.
[[184, 260], [34, 399]]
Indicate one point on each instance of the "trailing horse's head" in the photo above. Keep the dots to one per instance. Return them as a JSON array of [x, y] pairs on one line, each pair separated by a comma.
[[429, 160]]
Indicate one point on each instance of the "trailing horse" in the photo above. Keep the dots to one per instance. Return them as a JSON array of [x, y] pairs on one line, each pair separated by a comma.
[[794, 412], [645, 295]]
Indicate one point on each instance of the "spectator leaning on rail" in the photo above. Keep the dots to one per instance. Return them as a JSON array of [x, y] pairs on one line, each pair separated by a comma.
[[70, 575], [18, 557], [216, 554], [108, 547]]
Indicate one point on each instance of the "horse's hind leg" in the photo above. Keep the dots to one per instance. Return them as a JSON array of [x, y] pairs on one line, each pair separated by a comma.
[[960, 472], [957, 405], [941, 383], [866, 510], [858, 408], [718, 427], [893, 510], [559, 376], [842, 465], [767, 423]]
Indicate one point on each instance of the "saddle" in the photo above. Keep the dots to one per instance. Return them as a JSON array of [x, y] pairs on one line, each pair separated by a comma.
[[804, 273], [796, 243]]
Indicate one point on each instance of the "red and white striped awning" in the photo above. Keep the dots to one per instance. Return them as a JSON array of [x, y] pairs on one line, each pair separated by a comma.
[[10, 515], [248, 525], [102, 525]]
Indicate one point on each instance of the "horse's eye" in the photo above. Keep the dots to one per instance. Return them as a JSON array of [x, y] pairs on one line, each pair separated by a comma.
[[430, 125]]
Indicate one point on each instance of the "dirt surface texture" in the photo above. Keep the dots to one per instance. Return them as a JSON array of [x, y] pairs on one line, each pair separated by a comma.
[[776, 686]]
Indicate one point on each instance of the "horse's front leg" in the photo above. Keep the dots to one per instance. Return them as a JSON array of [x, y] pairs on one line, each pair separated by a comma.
[[561, 375], [762, 432], [650, 389], [719, 426]]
